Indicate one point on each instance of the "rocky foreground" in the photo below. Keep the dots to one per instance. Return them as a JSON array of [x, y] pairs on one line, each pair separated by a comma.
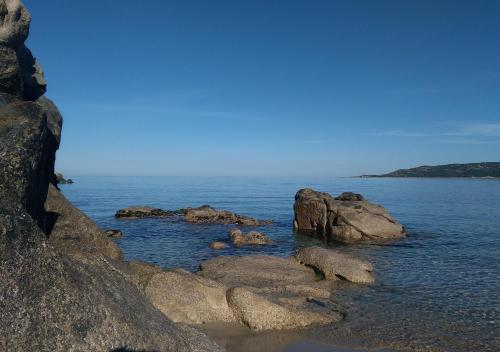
[[261, 292]]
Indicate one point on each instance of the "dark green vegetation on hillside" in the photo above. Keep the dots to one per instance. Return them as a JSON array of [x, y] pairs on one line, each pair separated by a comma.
[[485, 170]]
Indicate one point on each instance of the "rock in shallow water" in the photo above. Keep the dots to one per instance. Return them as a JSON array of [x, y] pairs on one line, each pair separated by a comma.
[[217, 245], [259, 313], [239, 238], [114, 233], [208, 215], [347, 218], [143, 212], [335, 264]]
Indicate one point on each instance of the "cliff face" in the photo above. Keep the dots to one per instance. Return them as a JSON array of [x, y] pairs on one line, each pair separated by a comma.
[[62, 285]]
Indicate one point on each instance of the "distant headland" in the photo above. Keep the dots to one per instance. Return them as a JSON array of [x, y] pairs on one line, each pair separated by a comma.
[[472, 170]]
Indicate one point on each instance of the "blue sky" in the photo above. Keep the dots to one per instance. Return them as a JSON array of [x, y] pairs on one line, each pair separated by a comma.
[[270, 88]]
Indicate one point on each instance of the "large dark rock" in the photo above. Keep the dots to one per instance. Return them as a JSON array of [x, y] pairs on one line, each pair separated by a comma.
[[63, 287], [50, 302], [28, 146], [72, 231], [20, 74], [347, 218]]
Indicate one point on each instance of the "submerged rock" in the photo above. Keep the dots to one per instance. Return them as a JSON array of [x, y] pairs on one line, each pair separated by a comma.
[[347, 218], [251, 238], [114, 233], [335, 264], [143, 212], [208, 215], [217, 245]]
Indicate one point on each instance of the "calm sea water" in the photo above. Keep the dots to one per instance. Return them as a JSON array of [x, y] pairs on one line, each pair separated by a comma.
[[436, 290]]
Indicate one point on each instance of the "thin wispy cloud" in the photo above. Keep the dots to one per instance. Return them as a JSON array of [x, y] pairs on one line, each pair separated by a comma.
[[402, 133], [159, 110], [306, 142], [486, 130], [482, 129]]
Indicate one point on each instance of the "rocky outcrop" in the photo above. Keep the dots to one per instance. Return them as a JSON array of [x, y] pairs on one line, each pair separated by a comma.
[[259, 313], [268, 292], [347, 218], [63, 287], [208, 215], [20, 74], [60, 180], [50, 302], [27, 149], [261, 292], [335, 264], [257, 271], [143, 212], [188, 298], [111, 233], [72, 231], [239, 238], [201, 215]]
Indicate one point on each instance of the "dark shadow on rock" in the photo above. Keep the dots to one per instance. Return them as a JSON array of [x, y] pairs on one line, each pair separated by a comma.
[[49, 221]]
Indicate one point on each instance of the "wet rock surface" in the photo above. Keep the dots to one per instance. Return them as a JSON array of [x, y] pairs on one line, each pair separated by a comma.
[[112, 233], [208, 215], [217, 245], [335, 264], [347, 218], [260, 292], [240, 238], [142, 212]]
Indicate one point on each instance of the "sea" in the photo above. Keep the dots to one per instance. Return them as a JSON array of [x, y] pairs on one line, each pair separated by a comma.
[[436, 290]]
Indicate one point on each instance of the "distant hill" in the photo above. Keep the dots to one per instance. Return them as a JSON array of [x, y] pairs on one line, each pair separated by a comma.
[[483, 170]]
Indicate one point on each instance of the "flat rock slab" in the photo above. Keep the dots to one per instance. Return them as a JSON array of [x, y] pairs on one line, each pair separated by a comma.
[[259, 313], [257, 271], [208, 215], [334, 264], [188, 298], [139, 212]]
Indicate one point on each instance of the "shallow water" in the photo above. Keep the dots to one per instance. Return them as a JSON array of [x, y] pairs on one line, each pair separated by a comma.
[[438, 289]]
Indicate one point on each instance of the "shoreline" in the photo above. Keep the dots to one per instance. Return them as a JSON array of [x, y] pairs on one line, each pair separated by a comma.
[[238, 338]]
